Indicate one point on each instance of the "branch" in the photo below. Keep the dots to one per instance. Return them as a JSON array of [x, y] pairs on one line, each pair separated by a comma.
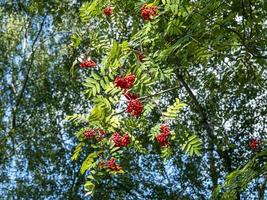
[[244, 43], [161, 92], [210, 131], [148, 96], [20, 94], [30, 65], [193, 97], [123, 111], [243, 40], [13, 88], [208, 127]]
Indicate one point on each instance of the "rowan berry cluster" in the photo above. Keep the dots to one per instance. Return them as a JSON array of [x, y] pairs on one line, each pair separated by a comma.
[[254, 144], [163, 136], [108, 11], [148, 12], [125, 82], [135, 107], [120, 141], [95, 133], [87, 64], [110, 164]]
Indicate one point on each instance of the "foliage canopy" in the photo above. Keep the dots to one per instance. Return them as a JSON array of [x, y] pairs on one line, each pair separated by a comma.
[[198, 98]]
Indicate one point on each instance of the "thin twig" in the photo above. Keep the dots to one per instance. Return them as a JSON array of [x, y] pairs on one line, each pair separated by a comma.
[[161, 92], [20, 94]]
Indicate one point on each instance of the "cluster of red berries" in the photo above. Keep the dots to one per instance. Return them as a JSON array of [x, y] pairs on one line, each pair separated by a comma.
[[108, 11], [162, 137], [125, 82], [135, 107], [120, 141], [87, 63], [148, 12], [110, 164], [254, 144], [95, 133]]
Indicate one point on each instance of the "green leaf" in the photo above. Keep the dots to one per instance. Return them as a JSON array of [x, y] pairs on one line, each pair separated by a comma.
[[97, 114], [192, 145], [77, 151], [88, 162], [76, 118], [93, 87], [173, 110], [154, 131], [89, 187]]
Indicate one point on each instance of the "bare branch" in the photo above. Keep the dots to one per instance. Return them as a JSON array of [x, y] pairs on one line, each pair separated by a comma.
[[21, 92]]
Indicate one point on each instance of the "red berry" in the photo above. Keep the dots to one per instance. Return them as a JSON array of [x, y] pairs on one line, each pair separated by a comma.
[[102, 133], [148, 12], [254, 144], [108, 11], [112, 165], [115, 138], [164, 128], [162, 137], [135, 107], [120, 141], [87, 64], [119, 82], [145, 14], [95, 133], [130, 80], [162, 140], [125, 140], [126, 82], [90, 134]]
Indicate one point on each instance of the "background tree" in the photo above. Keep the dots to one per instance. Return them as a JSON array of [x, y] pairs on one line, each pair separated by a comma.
[[36, 93]]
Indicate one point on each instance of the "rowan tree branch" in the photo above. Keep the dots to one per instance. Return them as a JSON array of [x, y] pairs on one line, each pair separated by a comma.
[[158, 93], [148, 96]]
